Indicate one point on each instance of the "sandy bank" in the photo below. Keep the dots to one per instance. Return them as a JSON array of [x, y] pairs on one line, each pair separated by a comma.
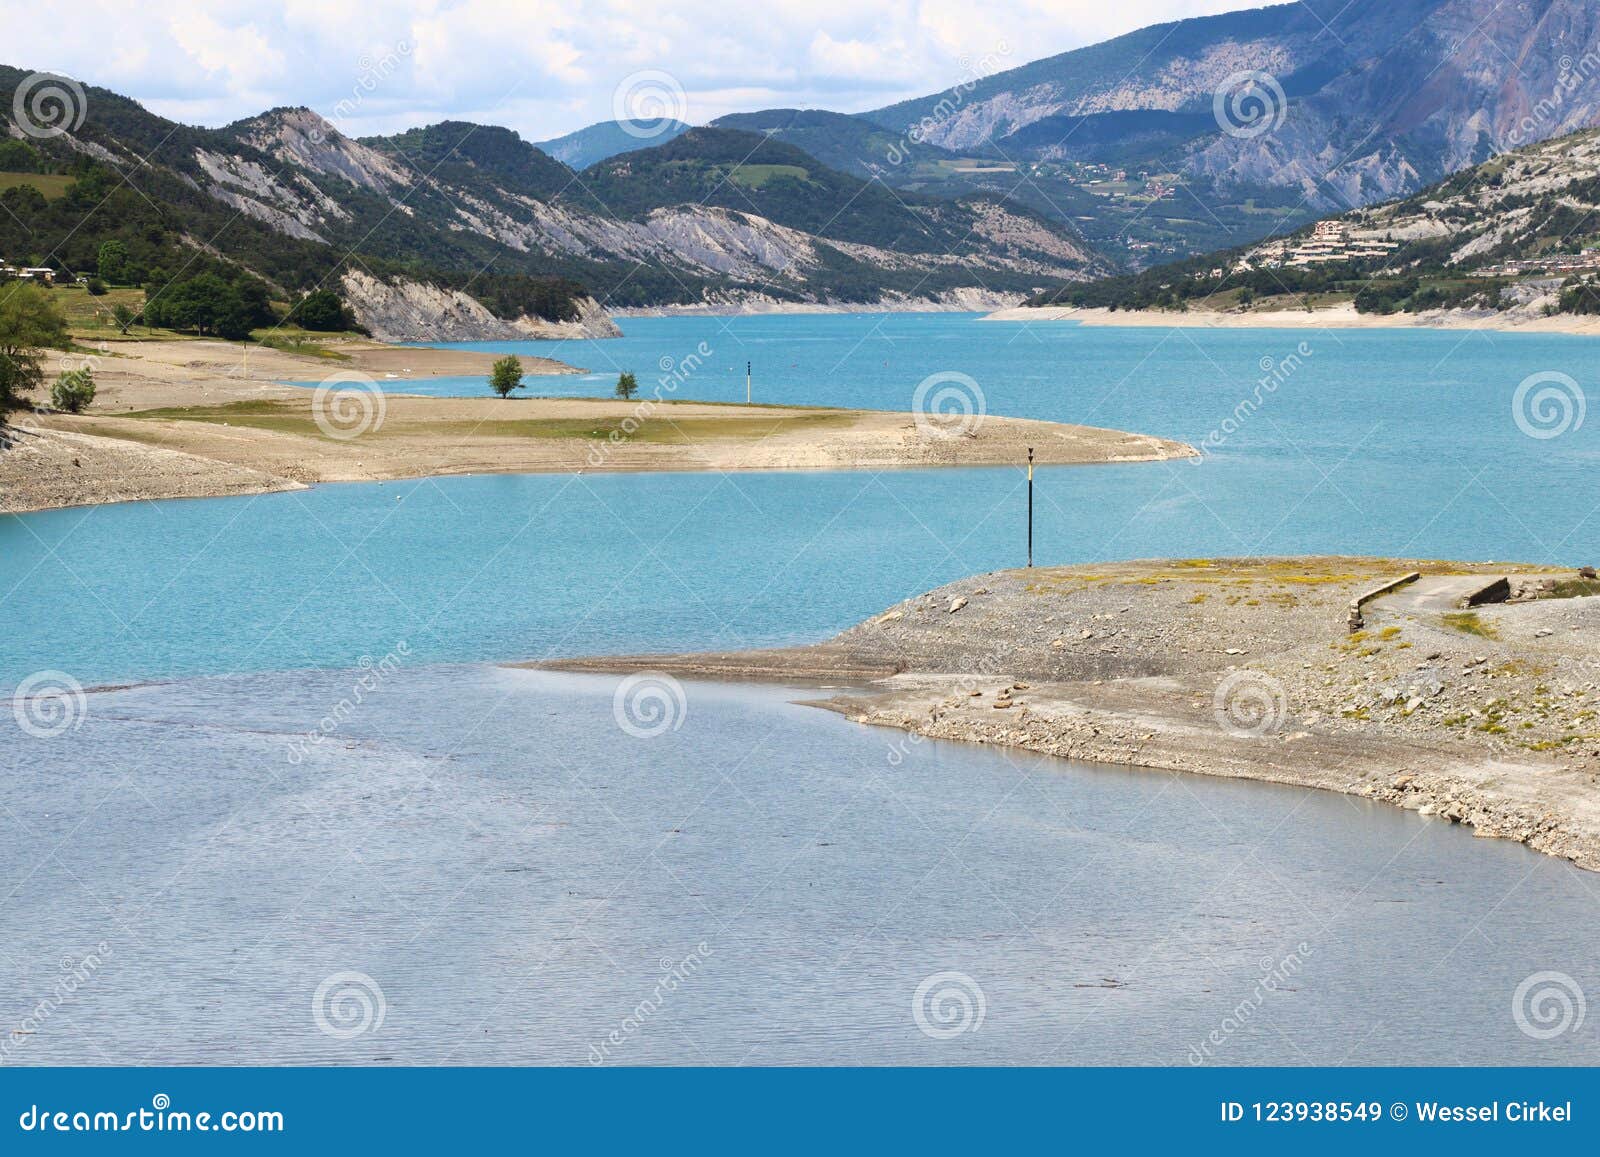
[[139, 375], [1342, 316], [1246, 668], [246, 433]]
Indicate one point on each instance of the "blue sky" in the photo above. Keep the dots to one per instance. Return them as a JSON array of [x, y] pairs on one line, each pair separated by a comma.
[[545, 67]]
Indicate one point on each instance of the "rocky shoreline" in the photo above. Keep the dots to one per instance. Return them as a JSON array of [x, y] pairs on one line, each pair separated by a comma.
[[1343, 316], [1488, 717]]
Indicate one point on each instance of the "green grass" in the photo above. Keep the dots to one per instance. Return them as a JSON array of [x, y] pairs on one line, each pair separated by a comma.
[[52, 185], [296, 418], [296, 341], [1576, 588], [757, 176], [1469, 623]]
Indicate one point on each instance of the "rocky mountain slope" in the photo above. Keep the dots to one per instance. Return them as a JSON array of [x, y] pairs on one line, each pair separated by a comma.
[[1518, 236], [478, 230], [1337, 104]]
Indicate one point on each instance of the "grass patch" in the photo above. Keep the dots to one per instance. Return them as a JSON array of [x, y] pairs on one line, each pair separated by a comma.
[[757, 176], [1576, 588], [293, 342], [285, 417], [1469, 623], [52, 185]]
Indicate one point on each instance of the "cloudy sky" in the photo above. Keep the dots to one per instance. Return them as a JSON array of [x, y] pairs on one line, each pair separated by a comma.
[[544, 67]]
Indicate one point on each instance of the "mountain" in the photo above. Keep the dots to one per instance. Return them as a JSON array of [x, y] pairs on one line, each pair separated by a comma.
[[459, 230], [851, 144], [1519, 233], [1351, 102], [599, 142]]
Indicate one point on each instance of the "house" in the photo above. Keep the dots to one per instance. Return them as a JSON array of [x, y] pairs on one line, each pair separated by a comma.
[[47, 276]]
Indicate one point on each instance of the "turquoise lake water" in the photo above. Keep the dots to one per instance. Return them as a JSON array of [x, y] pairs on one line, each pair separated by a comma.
[[514, 869], [1395, 442]]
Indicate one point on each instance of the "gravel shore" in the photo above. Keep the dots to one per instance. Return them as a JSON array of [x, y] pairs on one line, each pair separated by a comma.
[[1488, 717]]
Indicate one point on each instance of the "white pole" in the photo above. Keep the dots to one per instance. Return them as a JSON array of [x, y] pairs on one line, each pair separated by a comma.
[[747, 383]]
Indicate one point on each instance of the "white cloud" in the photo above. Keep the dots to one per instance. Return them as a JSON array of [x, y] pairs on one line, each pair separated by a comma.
[[545, 67]]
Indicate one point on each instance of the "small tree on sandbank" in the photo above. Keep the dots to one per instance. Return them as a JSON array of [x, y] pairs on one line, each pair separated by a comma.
[[506, 375]]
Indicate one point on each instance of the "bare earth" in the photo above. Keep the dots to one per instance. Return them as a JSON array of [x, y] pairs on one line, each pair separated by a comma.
[[1247, 668], [1343, 316], [185, 419]]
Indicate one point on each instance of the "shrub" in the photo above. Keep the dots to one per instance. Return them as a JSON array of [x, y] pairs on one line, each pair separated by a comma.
[[73, 391]]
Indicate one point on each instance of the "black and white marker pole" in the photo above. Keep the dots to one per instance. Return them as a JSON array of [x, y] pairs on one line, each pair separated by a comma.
[[1030, 506]]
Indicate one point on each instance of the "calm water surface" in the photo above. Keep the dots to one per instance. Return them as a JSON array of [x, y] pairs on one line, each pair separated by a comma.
[[513, 870], [516, 875]]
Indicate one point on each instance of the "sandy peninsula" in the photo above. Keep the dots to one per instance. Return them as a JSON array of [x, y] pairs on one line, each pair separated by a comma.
[[1484, 715], [1341, 316], [192, 419]]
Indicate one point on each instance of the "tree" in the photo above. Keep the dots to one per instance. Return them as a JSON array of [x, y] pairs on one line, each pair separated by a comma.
[[124, 316], [112, 263], [627, 386], [95, 286], [322, 310], [29, 323], [506, 375], [19, 157], [208, 304], [73, 391]]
